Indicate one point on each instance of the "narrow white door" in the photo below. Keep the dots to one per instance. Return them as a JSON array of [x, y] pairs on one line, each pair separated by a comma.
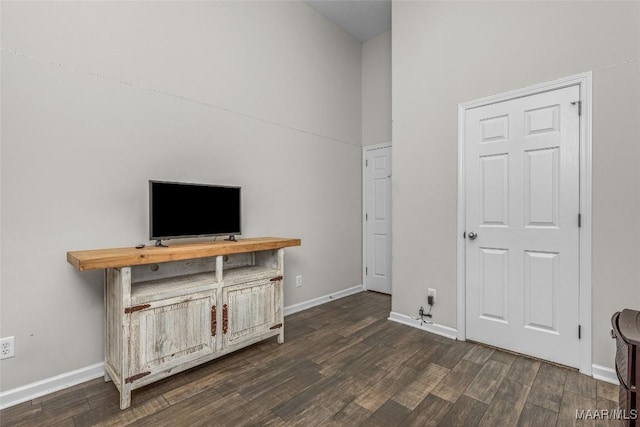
[[378, 219], [522, 205]]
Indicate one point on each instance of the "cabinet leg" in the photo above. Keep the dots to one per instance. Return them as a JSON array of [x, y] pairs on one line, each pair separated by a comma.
[[125, 397], [281, 335]]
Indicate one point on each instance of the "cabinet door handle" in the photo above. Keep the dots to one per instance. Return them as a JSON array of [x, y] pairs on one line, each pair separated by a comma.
[[214, 321], [225, 319], [275, 279]]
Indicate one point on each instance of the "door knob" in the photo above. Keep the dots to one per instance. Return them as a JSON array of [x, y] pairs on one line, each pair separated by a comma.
[[472, 235]]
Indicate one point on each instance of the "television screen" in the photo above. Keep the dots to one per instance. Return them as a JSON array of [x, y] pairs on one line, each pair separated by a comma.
[[192, 210]]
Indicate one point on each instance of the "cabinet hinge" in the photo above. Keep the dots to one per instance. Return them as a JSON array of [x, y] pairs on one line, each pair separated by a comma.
[[579, 107], [366, 163], [136, 377], [579, 332], [275, 279], [136, 308], [366, 217], [464, 234], [366, 270], [579, 220], [279, 325]]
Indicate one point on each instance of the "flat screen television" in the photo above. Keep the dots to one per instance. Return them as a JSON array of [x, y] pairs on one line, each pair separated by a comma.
[[179, 209]]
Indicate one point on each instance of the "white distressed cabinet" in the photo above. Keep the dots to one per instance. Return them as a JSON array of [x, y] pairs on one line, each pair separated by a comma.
[[170, 309]]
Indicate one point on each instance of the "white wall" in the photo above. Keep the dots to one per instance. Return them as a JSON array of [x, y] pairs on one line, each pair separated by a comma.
[[99, 97], [446, 53], [376, 89]]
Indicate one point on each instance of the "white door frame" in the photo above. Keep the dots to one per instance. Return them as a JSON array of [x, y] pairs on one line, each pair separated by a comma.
[[584, 81], [364, 208]]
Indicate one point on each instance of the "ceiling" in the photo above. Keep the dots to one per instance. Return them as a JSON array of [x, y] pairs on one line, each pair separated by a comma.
[[363, 19]]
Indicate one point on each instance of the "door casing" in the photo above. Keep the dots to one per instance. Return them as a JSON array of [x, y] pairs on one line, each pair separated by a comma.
[[584, 81]]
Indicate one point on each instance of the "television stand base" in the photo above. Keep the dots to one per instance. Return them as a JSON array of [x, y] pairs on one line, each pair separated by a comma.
[[160, 245], [231, 238]]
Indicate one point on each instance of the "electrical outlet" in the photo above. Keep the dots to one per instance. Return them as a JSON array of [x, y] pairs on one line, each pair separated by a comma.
[[7, 348], [298, 281], [431, 293]]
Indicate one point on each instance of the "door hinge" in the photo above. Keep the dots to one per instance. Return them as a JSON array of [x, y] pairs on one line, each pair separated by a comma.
[[136, 377], [136, 308], [579, 332], [366, 270], [366, 217], [579, 106], [366, 163], [579, 220], [464, 234]]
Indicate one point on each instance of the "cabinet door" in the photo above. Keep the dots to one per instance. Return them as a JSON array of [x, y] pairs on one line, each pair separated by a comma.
[[171, 332], [252, 309]]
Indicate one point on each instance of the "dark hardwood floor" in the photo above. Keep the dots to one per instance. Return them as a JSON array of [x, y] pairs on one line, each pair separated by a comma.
[[343, 364]]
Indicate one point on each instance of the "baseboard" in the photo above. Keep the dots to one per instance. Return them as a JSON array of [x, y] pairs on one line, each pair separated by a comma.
[[605, 374], [322, 300], [434, 328], [40, 388]]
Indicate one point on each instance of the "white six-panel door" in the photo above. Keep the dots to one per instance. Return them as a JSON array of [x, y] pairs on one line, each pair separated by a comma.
[[377, 188], [522, 202]]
